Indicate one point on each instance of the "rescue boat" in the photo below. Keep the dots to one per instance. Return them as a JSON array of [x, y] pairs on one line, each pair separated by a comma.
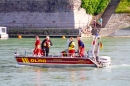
[[91, 59]]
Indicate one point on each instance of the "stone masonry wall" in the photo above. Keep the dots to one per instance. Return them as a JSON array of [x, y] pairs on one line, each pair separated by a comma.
[[119, 21], [116, 22], [43, 13]]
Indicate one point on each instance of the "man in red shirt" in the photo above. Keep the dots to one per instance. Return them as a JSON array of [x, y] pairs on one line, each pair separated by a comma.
[[80, 47], [37, 50]]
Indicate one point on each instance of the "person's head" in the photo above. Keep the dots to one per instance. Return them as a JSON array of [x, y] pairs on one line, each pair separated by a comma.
[[47, 37], [78, 38], [36, 37], [71, 38]]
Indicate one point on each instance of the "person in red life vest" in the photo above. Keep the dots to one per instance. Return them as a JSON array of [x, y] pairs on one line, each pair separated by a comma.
[[37, 50], [46, 43], [80, 47], [71, 47]]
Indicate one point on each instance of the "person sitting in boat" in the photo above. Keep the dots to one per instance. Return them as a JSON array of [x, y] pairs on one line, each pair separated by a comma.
[[65, 52], [71, 47], [80, 47], [37, 50], [46, 43]]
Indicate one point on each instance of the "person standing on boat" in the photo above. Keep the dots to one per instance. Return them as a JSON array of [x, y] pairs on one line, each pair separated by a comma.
[[46, 43], [37, 50], [80, 47], [71, 47]]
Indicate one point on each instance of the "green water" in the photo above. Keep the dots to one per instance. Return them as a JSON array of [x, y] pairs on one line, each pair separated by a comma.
[[12, 74]]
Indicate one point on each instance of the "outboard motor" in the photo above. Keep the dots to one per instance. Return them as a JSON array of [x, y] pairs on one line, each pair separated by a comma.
[[93, 53], [104, 61]]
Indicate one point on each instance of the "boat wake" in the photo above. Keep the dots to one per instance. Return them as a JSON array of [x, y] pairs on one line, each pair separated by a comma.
[[11, 66], [122, 65], [16, 65]]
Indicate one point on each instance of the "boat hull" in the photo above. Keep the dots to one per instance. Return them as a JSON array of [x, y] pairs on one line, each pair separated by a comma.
[[55, 62]]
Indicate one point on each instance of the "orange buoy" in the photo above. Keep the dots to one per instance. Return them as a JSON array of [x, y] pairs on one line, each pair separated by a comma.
[[63, 37], [19, 36]]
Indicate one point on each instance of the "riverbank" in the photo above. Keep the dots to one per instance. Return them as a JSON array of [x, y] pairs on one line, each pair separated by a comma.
[[115, 23], [42, 32], [122, 33]]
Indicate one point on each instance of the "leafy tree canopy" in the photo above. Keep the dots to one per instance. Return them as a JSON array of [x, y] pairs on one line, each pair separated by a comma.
[[95, 7]]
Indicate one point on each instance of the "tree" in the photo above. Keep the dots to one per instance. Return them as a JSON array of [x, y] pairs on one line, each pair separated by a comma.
[[94, 7]]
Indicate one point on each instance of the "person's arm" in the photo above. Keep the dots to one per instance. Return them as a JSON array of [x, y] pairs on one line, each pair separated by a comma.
[[38, 44], [42, 45], [72, 44], [50, 43], [80, 45]]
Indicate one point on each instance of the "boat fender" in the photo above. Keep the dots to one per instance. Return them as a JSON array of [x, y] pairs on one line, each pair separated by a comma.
[[15, 54]]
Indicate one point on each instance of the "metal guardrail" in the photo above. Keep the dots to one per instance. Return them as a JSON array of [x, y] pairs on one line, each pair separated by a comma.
[[24, 52]]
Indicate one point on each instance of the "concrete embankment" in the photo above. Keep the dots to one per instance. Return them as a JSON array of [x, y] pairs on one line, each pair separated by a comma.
[[31, 32], [115, 24], [122, 32]]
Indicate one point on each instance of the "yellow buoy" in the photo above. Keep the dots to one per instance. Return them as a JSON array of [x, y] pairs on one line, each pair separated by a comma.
[[63, 37], [19, 36]]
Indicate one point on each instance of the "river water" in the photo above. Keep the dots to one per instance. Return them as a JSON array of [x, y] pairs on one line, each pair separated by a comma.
[[12, 74]]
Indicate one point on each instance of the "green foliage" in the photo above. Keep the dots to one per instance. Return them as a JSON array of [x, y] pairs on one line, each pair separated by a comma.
[[94, 7], [123, 7]]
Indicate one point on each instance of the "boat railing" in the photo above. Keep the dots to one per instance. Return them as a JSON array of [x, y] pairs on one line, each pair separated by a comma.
[[24, 52], [29, 52]]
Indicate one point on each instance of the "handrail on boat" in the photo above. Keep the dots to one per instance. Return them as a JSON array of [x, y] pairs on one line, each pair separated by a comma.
[[29, 52], [24, 52]]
